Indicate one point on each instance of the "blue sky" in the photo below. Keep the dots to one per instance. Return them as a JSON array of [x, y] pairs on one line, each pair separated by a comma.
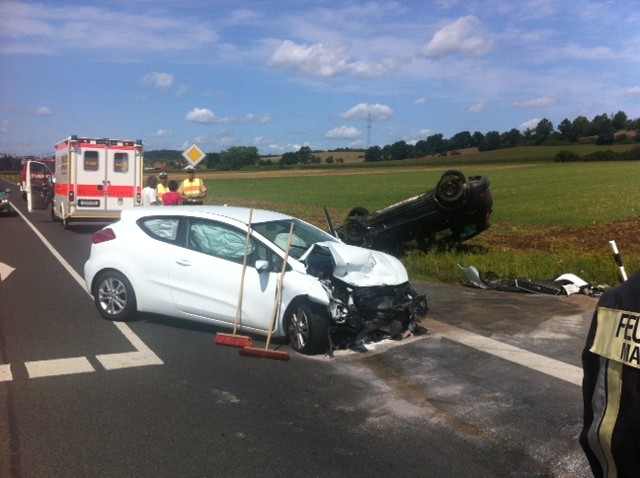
[[283, 74]]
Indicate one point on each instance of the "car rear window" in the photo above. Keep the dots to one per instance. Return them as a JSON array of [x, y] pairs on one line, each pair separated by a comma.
[[162, 228]]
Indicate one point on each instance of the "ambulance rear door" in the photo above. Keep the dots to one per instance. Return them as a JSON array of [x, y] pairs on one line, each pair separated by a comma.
[[122, 174], [38, 185], [90, 176]]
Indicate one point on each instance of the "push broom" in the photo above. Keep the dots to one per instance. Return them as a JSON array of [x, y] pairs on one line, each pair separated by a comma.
[[266, 353], [234, 340]]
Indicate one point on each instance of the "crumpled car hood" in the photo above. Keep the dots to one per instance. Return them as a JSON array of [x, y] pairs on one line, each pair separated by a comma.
[[362, 267]]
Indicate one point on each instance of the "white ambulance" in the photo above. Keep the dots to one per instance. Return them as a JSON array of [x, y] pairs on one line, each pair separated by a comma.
[[95, 179]]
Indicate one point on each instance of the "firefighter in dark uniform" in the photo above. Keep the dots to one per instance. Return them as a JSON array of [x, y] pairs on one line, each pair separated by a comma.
[[611, 385]]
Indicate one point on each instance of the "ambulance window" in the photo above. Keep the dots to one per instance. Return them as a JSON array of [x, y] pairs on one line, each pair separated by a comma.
[[121, 162], [90, 160]]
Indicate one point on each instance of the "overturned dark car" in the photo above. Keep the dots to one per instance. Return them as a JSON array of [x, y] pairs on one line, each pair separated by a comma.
[[456, 210]]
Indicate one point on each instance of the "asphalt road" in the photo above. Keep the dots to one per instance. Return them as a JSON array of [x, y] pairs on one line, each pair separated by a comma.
[[492, 390]]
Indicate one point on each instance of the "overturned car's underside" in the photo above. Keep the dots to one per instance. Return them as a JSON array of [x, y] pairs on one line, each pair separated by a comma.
[[364, 303]]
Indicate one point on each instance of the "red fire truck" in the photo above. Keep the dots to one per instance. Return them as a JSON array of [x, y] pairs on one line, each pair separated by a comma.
[[95, 179]]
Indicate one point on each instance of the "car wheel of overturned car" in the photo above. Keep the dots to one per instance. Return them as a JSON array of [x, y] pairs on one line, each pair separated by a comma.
[[357, 212], [114, 296], [450, 189], [307, 331]]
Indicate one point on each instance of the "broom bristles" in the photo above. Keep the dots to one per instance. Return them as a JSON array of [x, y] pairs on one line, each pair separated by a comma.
[[264, 353], [233, 340]]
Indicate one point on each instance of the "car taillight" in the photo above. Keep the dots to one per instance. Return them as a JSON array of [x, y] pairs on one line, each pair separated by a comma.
[[103, 235]]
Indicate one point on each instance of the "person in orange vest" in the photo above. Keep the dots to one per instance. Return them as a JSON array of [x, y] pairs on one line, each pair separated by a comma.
[[192, 189]]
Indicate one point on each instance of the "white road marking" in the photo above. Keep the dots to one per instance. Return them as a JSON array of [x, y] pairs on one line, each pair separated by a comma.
[[65, 366], [5, 270], [532, 360], [142, 356], [5, 373]]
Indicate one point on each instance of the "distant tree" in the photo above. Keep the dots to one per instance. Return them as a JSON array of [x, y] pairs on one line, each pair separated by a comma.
[[435, 144], [304, 155], [374, 153], [238, 157], [490, 142], [212, 160], [400, 150], [565, 128], [543, 131], [602, 125], [478, 138], [581, 127], [619, 121], [289, 159], [511, 138], [461, 140]]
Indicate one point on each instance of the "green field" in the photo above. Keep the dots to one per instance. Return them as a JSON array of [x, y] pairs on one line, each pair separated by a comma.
[[534, 198], [529, 200]]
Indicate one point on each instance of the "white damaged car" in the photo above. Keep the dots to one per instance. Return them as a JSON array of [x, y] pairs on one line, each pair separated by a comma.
[[187, 262]]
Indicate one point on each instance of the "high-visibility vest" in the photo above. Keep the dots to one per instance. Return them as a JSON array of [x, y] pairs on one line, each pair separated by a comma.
[[161, 189], [191, 188]]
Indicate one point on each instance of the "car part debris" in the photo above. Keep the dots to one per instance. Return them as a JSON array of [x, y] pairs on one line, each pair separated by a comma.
[[565, 284]]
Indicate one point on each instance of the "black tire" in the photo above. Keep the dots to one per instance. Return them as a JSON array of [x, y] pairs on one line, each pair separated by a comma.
[[451, 187], [355, 232], [357, 212], [307, 331], [114, 296]]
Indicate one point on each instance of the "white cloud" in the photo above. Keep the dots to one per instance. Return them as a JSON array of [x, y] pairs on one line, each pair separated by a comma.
[[162, 81], [531, 124], [457, 37], [326, 61], [363, 110], [476, 107], [542, 102], [251, 118], [420, 101], [162, 133], [633, 91], [43, 111], [206, 116], [201, 115], [343, 132], [4, 126]]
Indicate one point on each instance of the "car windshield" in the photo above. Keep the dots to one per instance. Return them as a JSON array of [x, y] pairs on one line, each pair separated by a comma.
[[304, 235]]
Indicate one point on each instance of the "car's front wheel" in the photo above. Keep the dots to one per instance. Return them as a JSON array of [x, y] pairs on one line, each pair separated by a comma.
[[451, 187], [307, 331], [114, 296]]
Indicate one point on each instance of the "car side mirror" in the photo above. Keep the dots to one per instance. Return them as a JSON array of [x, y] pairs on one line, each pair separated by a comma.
[[262, 265]]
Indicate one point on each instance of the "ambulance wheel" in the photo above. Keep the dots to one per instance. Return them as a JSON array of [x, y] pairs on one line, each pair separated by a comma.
[[54, 218], [114, 296]]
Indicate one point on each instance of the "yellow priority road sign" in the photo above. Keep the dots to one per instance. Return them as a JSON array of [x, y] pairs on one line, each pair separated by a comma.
[[193, 154]]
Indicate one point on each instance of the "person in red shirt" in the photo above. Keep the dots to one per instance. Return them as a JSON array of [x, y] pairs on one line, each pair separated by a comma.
[[172, 198]]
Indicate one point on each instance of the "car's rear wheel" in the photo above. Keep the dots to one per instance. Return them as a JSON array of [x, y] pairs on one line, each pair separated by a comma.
[[114, 296], [357, 212], [307, 331], [450, 188]]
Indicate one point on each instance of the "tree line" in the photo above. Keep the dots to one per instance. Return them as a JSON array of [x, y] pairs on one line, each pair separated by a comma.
[[601, 129]]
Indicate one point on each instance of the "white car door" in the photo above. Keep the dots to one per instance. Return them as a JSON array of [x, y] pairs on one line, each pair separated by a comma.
[[205, 276]]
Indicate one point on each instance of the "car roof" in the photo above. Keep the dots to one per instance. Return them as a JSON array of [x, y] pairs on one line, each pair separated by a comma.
[[240, 214]]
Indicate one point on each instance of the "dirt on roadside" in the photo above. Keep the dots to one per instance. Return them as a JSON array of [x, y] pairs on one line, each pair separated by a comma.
[[551, 239]]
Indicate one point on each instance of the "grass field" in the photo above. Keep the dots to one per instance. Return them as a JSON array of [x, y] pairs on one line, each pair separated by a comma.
[[548, 218], [553, 205]]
